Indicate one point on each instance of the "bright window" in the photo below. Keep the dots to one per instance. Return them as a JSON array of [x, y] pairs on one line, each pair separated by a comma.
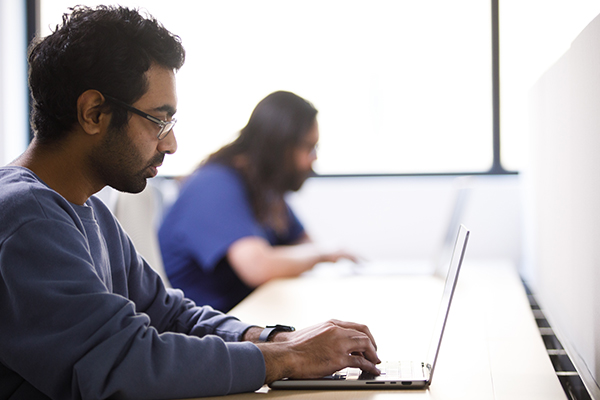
[[401, 86]]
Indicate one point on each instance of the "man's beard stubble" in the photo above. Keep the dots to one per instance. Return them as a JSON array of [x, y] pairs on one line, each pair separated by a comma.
[[116, 161]]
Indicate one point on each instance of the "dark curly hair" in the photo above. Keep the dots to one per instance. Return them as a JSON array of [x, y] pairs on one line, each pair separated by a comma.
[[108, 49]]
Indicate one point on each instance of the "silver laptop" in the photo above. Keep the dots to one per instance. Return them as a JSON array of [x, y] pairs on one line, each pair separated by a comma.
[[436, 265], [396, 375]]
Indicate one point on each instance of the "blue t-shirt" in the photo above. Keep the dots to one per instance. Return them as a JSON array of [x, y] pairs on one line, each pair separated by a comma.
[[212, 212]]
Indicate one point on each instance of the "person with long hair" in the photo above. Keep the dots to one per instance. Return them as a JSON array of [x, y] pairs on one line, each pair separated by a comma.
[[231, 229]]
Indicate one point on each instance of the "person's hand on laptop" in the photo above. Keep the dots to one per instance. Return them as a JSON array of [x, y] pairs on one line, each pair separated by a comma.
[[337, 255], [320, 350]]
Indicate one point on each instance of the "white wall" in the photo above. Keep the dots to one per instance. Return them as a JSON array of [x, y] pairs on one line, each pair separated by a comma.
[[13, 80], [563, 200], [406, 217]]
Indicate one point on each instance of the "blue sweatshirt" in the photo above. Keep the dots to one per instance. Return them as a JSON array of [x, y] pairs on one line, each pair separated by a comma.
[[83, 316]]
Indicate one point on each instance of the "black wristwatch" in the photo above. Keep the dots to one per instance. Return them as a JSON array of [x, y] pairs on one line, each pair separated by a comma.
[[265, 335]]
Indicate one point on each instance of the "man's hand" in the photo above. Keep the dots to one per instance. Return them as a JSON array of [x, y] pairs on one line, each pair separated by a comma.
[[320, 350]]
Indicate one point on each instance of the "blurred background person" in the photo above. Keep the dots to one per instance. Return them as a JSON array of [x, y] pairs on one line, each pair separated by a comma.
[[231, 230]]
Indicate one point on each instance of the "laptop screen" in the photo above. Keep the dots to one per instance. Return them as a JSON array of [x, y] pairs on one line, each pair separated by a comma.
[[451, 279]]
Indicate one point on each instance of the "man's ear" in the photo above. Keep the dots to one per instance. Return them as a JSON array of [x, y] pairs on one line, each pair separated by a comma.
[[91, 112]]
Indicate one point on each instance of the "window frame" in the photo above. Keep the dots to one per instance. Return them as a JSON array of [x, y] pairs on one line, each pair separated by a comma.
[[33, 27]]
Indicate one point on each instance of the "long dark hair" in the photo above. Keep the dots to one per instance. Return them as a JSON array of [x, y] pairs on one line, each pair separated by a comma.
[[277, 125]]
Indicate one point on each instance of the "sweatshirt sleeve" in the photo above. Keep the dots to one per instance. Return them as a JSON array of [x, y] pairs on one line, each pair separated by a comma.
[[69, 334]]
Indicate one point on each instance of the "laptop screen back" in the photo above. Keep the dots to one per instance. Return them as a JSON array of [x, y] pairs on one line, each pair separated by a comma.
[[451, 279]]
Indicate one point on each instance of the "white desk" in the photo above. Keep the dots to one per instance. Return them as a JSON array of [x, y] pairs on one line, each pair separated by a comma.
[[492, 348]]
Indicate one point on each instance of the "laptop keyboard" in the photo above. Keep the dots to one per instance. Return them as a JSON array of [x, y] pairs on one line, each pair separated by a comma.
[[406, 370], [401, 369]]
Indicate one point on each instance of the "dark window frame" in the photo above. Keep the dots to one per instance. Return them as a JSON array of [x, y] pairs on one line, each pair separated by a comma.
[[497, 168]]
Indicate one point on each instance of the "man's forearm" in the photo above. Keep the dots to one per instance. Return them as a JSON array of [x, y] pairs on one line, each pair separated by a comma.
[[277, 356], [278, 361]]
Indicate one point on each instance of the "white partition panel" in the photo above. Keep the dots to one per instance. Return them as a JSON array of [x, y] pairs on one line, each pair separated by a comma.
[[565, 200]]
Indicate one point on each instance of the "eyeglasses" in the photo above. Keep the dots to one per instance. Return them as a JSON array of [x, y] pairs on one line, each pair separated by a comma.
[[311, 148], [165, 126]]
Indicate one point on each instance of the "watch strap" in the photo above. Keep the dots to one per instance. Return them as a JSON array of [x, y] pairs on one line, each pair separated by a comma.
[[270, 329]]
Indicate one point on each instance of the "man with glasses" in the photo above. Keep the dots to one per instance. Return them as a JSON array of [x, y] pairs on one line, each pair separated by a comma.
[[82, 314], [165, 126]]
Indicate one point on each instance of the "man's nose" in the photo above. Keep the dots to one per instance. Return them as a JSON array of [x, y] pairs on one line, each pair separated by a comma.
[[169, 144]]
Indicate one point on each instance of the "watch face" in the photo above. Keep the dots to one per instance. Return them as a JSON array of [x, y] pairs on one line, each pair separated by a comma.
[[282, 328]]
